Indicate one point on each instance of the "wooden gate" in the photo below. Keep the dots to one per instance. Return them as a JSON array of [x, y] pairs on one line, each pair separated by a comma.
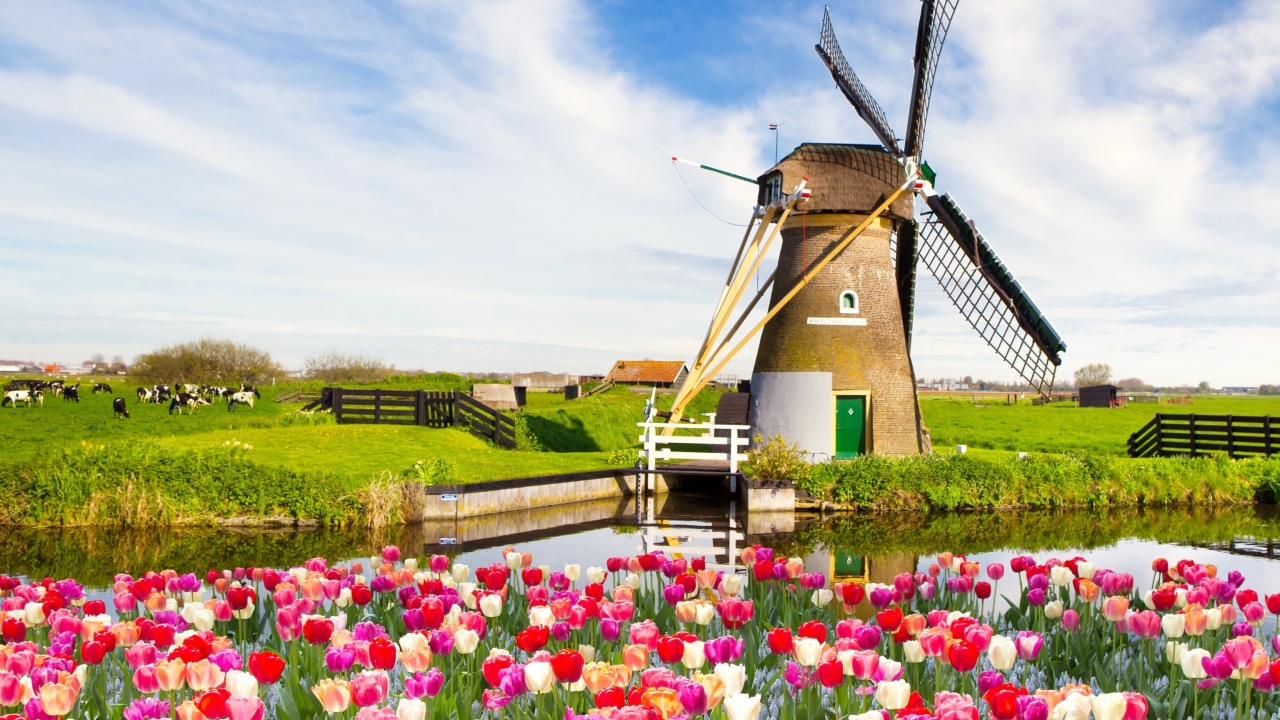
[[424, 408], [484, 421], [1191, 434]]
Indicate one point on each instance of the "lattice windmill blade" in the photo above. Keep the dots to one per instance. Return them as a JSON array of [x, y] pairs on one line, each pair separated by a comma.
[[935, 20], [987, 295], [868, 109]]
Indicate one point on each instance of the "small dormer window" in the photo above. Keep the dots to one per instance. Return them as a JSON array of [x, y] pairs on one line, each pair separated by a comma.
[[849, 302]]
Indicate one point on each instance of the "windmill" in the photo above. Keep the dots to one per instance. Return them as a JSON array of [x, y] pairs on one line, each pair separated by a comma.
[[833, 371]]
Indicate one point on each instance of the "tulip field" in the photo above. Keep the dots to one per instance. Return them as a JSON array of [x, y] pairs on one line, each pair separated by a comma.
[[646, 637]]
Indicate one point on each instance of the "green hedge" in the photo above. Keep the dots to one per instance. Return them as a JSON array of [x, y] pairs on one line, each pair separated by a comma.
[[141, 483], [1071, 480]]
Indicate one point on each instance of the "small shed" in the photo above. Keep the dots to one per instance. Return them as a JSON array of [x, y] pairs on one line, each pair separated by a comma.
[[498, 396], [660, 373], [543, 381], [1105, 396]]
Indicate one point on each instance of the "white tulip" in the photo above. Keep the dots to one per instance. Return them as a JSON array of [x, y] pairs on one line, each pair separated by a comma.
[[912, 651], [1173, 651], [694, 655], [1192, 663], [1061, 576], [704, 613], [1109, 706], [588, 653], [241, 684], [411, 563], [1085, 569], [730, 584], [1173, 625], [541, 616], [491, 605], [1002, 652], [633, 580], [410, 642], [538, 677], [734, 677], [411, 709], [1073, 707], [822, 597], [514, 560], [742, 707], [1213, 618], [846, 661], [344, 598], [465, 641], [460, 572], [573, 572], [808, 651], [595, 574], [893, 694]]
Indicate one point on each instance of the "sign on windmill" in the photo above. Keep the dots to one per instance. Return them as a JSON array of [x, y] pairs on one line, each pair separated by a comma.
[[833, 372]]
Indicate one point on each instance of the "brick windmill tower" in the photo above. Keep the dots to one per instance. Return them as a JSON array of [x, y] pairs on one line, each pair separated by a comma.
[[833, 372]]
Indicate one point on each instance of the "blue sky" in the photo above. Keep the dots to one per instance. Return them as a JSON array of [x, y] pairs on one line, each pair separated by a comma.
[[486, 186]]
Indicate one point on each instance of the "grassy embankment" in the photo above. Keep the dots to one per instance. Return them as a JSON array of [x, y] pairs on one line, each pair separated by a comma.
[[75, 464], [1076, 457]]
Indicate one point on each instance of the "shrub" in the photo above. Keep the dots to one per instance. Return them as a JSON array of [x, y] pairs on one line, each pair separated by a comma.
[[776, 460], [436, 471], [335, 367], [205, 361]]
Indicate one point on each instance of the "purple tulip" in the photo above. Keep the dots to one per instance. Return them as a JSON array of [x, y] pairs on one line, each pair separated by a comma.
[[339, 660], [1029, 650], [414, 620], [147, 709], [441, 643], [867, 636], [881, 597], [368, 631], [779, 571], [610, 629], [560, 630], [1038, 582], [1071, 620], [227, 660], [1035, 596], [989, 679], [1217, 666], [405, 594], [1031, 707], [1241, 629], [693, 697], [723, 649], [1235, 578], [35, 711], [382, 584], [510, 681], [765, 554], [673, 594]]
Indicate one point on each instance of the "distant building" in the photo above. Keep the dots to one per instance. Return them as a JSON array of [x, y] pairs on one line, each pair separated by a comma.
[[10, 368], [661, 373], [1239, 390], [543, 381], [1106, 396]]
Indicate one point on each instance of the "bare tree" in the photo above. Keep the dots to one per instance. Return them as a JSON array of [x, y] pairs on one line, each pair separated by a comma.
[[1132, 384], [339, 367], [1093, 374]]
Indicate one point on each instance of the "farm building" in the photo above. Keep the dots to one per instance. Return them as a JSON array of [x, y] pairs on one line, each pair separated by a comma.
[[660, 373], [543, 381], [1100, 396]]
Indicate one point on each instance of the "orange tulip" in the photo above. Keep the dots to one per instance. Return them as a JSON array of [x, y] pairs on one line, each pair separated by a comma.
[[203, 675], [57, 698], [663, 700], [599, 676], [189, 711], [92, 625], [1196, 622], [706, 578], [1115, 607], [915, 624], [1211, 570], [170, 674], [635, 657], [219, 643], [127, 633], [686, 611], [416, 659], [334, 695], [714, 687], [312, 589], [794, 567], [624, 593], [156, 602], [1088, 590]]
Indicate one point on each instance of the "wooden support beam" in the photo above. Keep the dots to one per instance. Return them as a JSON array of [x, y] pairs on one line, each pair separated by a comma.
[[693, 385]]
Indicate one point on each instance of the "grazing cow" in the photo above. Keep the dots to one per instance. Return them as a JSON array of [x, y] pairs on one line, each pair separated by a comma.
[[121, 408], [144, 394], [240, 398], [13, 397], [72, 393], [187, 388], [186, 400], [101, 388], [250, 389]]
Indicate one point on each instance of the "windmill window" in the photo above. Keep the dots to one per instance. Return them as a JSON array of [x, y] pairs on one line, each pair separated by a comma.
[[849, 302]]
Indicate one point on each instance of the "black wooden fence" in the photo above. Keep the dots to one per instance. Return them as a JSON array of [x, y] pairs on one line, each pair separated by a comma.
[[1191, 434], [425, 408]]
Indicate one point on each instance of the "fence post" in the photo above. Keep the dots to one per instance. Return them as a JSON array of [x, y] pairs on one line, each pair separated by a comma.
[[1231, 438], [1191, 425], [1159, 435], [336, 399], [1266, 433], [733, 464], [419, 408], [457, 412]]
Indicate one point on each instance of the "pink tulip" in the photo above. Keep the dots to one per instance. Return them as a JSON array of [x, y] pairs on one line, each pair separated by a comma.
[[369, 687], [995, 571], [1071, 620], [865, 663], [1145, 625], [244, 708]]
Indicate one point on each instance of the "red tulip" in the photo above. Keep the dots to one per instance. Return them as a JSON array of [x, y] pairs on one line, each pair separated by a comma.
[[670, 649], [889, 619], [266, 666], [595, 591], [531, 575], [107, 639], [1164, 597], [614, 564], [963, 655], [92, 652], [14, 630], [162, 635], [763, 570], [213, 703], [317, 631], [495, 664], [1244, 597], [814, 629], [240, 597], [199, 644], [95, 607], [567, 664], [982, 590], [1003, 700], [698, 564], [382, 653], [852, 593], [1273, 604], [361, 595], [496, 579], [830, 673], [614, 697], [532, 639], [650, 561], [780, 640], [432, 612]]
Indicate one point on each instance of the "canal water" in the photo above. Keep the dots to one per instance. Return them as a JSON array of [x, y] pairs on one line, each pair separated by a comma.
[[866, 547]]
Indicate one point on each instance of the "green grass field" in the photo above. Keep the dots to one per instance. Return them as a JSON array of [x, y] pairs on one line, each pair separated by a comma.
[[988, 424]]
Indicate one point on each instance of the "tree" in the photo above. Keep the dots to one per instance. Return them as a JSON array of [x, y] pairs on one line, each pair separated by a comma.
[[207, 360], [1093, 374], [1132, 384], [1269, 389], [1205, 387], [336, 367]]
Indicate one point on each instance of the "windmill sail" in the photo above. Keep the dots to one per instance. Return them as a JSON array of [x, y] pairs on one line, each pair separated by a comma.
[[935, 20], [987, 295], [853, 89]]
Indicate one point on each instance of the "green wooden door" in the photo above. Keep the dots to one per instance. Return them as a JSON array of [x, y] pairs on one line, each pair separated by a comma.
[[851, 432]]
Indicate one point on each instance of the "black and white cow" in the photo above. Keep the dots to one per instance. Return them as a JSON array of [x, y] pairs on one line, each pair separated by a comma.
[[250, 389], [188, 401], [71, 393], [121, 408], [144, 394], [26, 397], [240, 398], [101, 388]]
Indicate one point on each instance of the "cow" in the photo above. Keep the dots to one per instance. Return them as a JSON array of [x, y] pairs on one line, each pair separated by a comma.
[[187, 388], [186, 400], [121, 408], [144, 394], [26, 397], [71, 393], [240, 398], [101, 388], [250, 389]]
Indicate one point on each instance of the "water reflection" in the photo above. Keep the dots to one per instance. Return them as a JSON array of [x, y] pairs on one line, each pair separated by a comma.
[[847, 547]]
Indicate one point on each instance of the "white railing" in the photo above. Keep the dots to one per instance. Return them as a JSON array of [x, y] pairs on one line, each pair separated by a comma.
[[737, 439]]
